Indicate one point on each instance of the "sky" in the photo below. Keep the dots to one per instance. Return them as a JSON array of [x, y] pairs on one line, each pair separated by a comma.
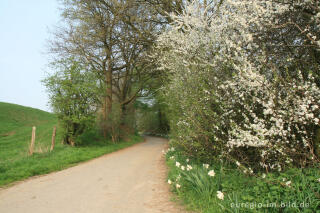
[[24, 31]]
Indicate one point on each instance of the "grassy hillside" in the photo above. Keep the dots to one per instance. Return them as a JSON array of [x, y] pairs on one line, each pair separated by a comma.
[[14, 116], [15, 134]]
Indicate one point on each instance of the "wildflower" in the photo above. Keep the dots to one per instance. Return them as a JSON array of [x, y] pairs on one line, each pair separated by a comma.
[[169, 181], [288, 183], [177, 164], [178, 178], [189, 167], [172, 157], [220, 195], [263, 175], [206, 166], [238, 164], [211, 173], [319, 180], [187, 160], [250, 170], [178, 186], [182, 168]]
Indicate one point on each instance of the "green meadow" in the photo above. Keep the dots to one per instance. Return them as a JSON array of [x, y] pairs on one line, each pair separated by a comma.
[[16, 124]]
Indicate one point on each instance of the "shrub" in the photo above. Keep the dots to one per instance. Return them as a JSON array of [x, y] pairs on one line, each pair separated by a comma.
[[226, 100], [73, 94]]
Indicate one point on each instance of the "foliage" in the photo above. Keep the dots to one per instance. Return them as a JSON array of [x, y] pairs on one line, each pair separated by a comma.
[[73, 96], [109, 40], [227, 99], [220, 187], [121, 121], [151, 117]]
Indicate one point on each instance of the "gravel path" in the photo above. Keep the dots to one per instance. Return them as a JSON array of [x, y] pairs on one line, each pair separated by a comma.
[[132, 180]]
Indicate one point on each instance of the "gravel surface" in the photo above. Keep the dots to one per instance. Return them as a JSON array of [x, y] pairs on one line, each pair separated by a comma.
[[132, 180]]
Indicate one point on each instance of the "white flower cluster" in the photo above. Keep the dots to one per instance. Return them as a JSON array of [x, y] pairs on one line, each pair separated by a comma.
[[282, 126]]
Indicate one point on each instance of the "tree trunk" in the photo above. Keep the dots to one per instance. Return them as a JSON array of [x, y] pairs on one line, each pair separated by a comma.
[[104, 117], [108, 101], [317, 142], [109, 93]]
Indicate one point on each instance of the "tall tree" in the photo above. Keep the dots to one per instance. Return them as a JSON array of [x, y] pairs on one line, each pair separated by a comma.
[[110, 38]]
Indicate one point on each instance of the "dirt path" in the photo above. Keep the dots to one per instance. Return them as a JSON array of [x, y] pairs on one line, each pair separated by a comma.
[[128, 181]]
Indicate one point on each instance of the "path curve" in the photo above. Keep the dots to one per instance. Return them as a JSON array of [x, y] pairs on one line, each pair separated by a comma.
[[131, 180]]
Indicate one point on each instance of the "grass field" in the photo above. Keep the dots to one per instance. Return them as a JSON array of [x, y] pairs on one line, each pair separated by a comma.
[[15, 134]]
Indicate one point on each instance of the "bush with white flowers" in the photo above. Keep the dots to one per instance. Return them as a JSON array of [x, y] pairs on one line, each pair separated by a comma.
[[225, 99]]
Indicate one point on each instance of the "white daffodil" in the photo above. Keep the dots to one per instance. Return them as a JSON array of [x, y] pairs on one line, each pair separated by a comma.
[[211, 173], [178, 178], [250, 170], [220, 195]]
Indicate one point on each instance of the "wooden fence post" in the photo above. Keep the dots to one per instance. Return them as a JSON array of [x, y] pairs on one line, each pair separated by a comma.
[[53, 138], [33, 138]]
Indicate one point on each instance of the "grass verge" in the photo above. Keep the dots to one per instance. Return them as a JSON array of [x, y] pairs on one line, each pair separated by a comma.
[[15, 133], [62, 157], [219, 187]]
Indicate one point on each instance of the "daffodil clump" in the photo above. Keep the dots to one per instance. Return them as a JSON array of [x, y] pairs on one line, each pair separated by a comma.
[[200, 178], [218, 187]]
